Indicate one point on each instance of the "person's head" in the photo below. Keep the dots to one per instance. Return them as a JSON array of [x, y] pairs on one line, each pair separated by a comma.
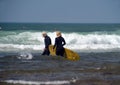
[[58, 33], [44, 34]]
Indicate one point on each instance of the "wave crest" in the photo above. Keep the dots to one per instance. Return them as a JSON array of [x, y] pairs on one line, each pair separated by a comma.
[[76, 41], [38, 83]]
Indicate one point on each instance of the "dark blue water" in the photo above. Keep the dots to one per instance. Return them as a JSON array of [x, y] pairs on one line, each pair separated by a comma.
[[64, 27]]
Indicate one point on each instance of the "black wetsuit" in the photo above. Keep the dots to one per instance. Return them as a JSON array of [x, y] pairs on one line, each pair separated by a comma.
[[47, 42], [59, 43]]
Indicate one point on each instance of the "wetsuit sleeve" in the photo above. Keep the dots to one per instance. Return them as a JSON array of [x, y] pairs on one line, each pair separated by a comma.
[[63, 42], [55, 43], [47, 42]]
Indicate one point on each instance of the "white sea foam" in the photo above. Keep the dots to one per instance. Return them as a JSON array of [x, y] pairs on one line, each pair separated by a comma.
[[25, 55], [37, 82], [76, 41]]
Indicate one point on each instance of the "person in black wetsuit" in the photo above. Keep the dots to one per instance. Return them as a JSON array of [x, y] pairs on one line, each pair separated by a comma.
[[47, 42], [59, 43]]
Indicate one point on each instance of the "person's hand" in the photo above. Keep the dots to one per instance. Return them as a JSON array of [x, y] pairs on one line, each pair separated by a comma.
[[53, 49], [44, 48]]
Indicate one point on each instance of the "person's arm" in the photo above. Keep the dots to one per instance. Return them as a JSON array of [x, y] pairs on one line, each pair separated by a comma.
[[55, 43], [63, 42], [47, 42], [50, 41]]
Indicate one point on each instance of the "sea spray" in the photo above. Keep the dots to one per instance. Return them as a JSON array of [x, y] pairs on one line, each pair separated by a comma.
[[25, 55], [33, 41]]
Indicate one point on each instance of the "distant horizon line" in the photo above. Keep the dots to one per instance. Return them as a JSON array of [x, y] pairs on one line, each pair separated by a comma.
[[66, 22]]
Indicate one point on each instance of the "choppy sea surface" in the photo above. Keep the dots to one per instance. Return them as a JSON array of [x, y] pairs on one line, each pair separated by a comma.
[[21, 63]]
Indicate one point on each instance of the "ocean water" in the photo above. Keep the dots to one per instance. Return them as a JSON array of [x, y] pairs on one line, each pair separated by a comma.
[[21, 45]]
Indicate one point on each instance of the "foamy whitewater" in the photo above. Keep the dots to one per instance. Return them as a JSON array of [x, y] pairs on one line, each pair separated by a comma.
[[33, 41], [38, 82], [21, 62]]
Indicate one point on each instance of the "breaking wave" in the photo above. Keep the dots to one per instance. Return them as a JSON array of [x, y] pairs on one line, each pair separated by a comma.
[[39, 82], [33, 41]]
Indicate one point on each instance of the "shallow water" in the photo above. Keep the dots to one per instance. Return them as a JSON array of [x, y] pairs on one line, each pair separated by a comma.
[[33, 69]]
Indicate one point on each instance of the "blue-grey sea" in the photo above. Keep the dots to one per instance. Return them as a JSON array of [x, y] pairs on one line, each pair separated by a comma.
[[21, 63]]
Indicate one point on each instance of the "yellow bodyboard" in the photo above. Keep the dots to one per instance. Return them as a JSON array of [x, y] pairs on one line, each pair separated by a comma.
[[69, 54]]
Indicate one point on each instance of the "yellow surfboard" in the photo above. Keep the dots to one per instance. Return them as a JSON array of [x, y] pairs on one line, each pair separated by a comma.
[[69, 54]]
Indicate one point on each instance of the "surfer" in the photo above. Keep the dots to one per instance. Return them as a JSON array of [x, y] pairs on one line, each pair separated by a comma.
[[59, 43], [47, 41]]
